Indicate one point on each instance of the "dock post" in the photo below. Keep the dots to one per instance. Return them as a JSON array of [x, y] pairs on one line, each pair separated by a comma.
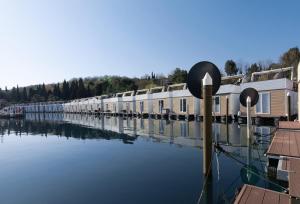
[[288, 106], [227, 107], [207, 124], [248, 117]]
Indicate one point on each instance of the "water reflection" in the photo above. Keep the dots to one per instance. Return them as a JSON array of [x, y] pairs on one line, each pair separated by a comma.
[[183, 164], [232, 137]]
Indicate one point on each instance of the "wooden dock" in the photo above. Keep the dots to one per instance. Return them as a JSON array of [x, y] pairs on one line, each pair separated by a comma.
[[255, 195], [294, 177], [285, 150], [291, 125], [285, 143]]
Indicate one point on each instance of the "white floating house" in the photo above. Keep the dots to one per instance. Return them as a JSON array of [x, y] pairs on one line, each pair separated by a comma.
[[184, 104], [117, 103], [114, 104], [272, 101], [226, 92], [129, 103], [143, 101], [98, 103], [161, 101]]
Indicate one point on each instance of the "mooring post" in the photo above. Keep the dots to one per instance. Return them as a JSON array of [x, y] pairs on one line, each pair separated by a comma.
[[227, 128], [288, 106], [207, 124], [248, 117], [227, 107]]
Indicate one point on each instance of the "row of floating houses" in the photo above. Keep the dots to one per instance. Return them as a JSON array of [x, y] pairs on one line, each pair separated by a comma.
[[175, 102]]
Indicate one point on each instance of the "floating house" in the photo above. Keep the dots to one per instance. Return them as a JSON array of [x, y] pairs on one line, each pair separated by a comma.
[[184, 104], [129, 103], [162, 102], [113, 105], [98, 104], [272, 101], [143, 101], [226, 102]]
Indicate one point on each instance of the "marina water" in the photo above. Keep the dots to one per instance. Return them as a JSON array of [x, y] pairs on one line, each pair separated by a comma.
[[71, 158]]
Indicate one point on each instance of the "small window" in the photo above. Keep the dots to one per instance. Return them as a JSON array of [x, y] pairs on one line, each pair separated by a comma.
[[217, 104], [263, 104], [183, 105]]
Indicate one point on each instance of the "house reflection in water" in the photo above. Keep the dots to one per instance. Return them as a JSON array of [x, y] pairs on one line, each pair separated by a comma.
[[231, 137]]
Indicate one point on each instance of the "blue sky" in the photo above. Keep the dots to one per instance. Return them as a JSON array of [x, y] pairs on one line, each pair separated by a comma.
[[48, 41]]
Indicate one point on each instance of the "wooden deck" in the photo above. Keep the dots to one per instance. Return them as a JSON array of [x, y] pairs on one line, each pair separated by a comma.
[[294, 177], [255, 195], [289, 125], [285, 143]]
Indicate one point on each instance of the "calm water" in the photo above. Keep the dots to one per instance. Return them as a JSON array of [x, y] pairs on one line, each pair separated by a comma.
[[57, 158]]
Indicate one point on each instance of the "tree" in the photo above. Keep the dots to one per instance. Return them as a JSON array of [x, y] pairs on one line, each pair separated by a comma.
[[178, 76], [56, 91], [291, 58], [24, 95], [253, 68], [81, 89], [73, 89], [65, 90], [231, 68], [44, 92], [88, 92], [18, 96], [30, 93], [99, 89]]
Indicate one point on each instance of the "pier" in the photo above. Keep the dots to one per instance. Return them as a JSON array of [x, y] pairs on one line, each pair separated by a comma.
[[283, 164], [251, 194]]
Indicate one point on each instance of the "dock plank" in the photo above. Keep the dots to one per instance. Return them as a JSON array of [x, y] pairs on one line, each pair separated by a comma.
[[271, 198], [294, 178], [245, 195], [283, 199], [289, 125], [256, 195], [285, 143], [293, 145], [285, 140]]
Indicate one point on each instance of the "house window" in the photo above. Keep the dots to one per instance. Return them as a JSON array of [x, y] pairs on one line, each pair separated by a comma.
[[161, 105], [183, 105], [141, 106], [263, 104], [217, 104]]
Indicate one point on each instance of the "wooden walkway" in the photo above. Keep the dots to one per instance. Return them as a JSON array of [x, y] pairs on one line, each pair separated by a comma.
[[285, 143], [255, 195], [294, 177], [289, 125]]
